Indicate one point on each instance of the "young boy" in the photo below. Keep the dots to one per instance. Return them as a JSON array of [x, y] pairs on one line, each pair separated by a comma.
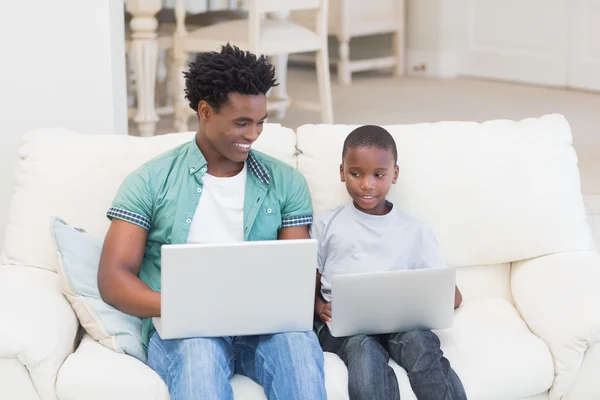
[[372, 234]]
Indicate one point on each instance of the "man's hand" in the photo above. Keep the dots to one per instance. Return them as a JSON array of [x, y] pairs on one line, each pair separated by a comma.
[[325, 312]]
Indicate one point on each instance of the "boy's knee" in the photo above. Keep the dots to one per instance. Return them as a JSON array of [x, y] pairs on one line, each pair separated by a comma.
[[417, 339], [362, 349]]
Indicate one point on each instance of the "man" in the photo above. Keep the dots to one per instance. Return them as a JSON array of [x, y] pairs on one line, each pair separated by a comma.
[[212, 189]]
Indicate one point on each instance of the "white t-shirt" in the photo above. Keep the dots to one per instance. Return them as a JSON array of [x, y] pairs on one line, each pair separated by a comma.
[[351, 241], [219, 217]]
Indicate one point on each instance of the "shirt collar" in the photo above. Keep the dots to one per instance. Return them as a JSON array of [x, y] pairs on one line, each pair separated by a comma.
[[197, 162]]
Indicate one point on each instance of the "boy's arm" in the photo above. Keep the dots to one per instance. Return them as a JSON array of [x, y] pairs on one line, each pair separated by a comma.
[[457, 297], [322, 308], [431, 257]]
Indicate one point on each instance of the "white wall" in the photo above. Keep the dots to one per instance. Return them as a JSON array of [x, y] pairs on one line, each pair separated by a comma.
[[63, 64]]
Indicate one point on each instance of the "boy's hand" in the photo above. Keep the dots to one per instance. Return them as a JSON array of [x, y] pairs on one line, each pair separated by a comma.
[[325, 312]]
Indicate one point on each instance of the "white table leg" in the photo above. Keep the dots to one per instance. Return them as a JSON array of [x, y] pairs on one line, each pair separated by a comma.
[[144, 46], [280, 62]]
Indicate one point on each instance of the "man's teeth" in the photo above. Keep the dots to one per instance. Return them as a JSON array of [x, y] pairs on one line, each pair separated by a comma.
[[367, 197], [243, 145]]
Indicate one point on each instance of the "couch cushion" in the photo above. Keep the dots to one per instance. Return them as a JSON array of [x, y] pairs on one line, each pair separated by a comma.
[[78, 259], [489, 346], [494, 192], [16, 382], [95, 372], [494, 353], [75, 176]]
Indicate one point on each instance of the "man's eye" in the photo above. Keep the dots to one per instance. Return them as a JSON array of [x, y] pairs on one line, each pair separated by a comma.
[[261, 123], [241, 124]]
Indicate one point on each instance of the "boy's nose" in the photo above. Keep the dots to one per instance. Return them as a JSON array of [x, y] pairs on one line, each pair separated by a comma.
[[366, 183]]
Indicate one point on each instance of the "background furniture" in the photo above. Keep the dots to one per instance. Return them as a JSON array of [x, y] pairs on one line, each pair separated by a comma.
[[502, 197], [260, 35], [350, 19], [144, 47]]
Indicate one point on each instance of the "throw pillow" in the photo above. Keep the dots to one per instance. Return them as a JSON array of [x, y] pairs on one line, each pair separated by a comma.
[[79, 257]]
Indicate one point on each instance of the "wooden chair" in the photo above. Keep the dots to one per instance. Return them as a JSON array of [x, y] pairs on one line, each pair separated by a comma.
[[260, 35]]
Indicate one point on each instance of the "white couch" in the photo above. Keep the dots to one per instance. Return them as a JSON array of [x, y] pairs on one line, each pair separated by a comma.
[[503, 198]]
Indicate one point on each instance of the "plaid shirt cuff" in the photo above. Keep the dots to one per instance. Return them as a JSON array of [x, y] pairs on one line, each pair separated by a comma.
[[119, 213], [297, 221]]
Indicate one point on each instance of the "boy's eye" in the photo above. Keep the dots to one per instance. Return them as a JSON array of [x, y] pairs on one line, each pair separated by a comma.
[[379, 175], [355, 174]]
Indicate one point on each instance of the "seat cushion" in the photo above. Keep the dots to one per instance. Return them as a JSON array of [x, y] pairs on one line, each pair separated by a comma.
[[276, 37], [94, 372], [494, 353], [16, 382], [489, 346]]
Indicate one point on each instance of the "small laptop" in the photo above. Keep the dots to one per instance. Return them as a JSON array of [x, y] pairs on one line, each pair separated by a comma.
[[236, 289], [389, 302]]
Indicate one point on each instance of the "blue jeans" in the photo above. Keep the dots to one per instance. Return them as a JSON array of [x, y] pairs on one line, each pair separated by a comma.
[[418, 352], [289, 366]]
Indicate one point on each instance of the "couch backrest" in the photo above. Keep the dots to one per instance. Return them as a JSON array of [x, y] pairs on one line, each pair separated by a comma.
[[75, 177], [494, 192]]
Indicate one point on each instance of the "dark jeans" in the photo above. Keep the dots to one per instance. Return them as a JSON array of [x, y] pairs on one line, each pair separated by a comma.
[[418, 352]]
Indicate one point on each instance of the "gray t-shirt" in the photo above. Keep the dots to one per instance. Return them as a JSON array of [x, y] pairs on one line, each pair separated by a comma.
[[351, 241]]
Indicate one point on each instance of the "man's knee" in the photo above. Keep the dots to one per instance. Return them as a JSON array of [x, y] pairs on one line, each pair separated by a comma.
[[195, 353], [296, 341]]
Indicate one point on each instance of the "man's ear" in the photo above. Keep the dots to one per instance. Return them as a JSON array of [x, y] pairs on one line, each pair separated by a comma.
[[396, 173], [204, 110], [342, 177]]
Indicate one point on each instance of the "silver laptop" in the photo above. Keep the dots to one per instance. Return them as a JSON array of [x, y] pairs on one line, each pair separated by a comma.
[[389, 302], [231, 289]]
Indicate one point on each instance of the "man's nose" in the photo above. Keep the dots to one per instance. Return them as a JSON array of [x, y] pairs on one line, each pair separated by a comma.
[[252, 133]]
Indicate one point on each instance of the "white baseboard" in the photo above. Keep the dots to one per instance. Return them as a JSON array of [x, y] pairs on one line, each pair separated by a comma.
[[432, 64]]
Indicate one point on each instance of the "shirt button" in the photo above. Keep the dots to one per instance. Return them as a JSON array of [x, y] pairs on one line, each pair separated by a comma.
[[189, 221], [203, 170], [192, 169], [269, 210], [199, 190]]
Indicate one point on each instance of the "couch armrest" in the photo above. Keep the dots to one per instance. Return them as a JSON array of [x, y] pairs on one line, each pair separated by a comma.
[[558, 296], [38, 326]]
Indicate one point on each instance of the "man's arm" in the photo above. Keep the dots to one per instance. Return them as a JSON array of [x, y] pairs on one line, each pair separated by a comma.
[[322, 308], [120, 265]]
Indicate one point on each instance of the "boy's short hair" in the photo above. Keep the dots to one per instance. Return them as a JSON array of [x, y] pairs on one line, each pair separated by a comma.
[[214, 75], [370, 136]]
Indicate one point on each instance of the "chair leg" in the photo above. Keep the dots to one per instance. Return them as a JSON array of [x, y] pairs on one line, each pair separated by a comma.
[[179, 101], [399, 53], [280, 92], [324, 81], [400, 40], [343, 65]]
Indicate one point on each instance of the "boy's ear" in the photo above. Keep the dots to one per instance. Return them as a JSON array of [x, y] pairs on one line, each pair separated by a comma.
[[342, 178], [396, 173]]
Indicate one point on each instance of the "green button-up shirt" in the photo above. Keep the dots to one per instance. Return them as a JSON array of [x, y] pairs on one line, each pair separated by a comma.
[[162, 196]]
